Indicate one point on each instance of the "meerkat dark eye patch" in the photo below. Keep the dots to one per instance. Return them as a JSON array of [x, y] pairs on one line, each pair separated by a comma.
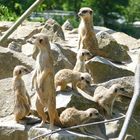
[[87, 82], [115, 90], [82, 78], [90, 12], [122, 89], [82, 54], [20, 72], [84, 11]]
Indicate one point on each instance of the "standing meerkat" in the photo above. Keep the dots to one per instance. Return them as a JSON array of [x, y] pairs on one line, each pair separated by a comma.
[[87, 36], [43, 79], [106, 97], [82, 56], [72, 116], [22, 100], [65, 76]]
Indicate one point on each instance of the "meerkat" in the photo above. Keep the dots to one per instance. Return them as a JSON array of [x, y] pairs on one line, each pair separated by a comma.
[[65, 76], [72, 116], [106, 97], [82, 56], [87, 37], [43, 79], [22, 100]]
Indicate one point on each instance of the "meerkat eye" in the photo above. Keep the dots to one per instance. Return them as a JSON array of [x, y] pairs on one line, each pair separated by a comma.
[[20, 71], [82, 78], [88, 82], [115, 90], [122, 89], [84, 11], [90, 12], [96, 113]]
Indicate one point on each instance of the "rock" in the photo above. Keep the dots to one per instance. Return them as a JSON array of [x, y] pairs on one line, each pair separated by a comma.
[[103, 70], [15, 46], [67, 25], [5, 25], [126, 40], [9, 59], [63, 56], [53, 30], [111, 48], [22, 33]]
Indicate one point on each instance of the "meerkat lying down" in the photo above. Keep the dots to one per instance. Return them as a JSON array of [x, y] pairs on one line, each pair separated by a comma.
[[72, 116], [65, 76], [82, 56], [22, 100], [106, 97]]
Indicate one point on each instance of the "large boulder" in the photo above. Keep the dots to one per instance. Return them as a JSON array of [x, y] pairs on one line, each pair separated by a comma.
[[63, 56], [9, 59], [23, 32], [5, 25], [111, 48], [53, 30], [103, 70], [126, 40]]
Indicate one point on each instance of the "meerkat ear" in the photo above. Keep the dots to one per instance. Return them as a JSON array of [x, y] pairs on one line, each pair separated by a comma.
[[90, 114], [40, 40]]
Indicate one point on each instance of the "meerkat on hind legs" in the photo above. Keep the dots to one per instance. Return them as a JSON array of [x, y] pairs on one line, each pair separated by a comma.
[[43, 79], [82, 56], [22, 99]]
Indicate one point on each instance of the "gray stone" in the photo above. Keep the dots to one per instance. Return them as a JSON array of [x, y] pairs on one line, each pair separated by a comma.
[[103, 70], [9, 59], [67, 25], [15, 46], [111, 48], [53, 30]]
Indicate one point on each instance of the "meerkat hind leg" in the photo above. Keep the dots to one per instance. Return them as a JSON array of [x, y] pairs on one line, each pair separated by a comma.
[[40, 110]]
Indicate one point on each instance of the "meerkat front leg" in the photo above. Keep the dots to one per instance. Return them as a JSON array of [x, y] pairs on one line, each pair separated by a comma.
[[79, 42], [41, 79], [33, 79]]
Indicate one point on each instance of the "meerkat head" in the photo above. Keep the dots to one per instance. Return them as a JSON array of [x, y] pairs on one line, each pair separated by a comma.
[[93, 113], [20, 70], [85, 80], [84, 55], [116, 89], [40, 40], [85, 12]]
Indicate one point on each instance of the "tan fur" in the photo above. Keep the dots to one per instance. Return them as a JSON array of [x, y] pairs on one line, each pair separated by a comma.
[[82, 56], [22, 100], [87, 37], [43, 79], [106, 97], [65, 76], [72, 116]]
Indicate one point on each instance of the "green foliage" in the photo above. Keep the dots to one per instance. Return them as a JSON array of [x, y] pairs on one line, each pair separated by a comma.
[[6, 14], [132, 11]]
